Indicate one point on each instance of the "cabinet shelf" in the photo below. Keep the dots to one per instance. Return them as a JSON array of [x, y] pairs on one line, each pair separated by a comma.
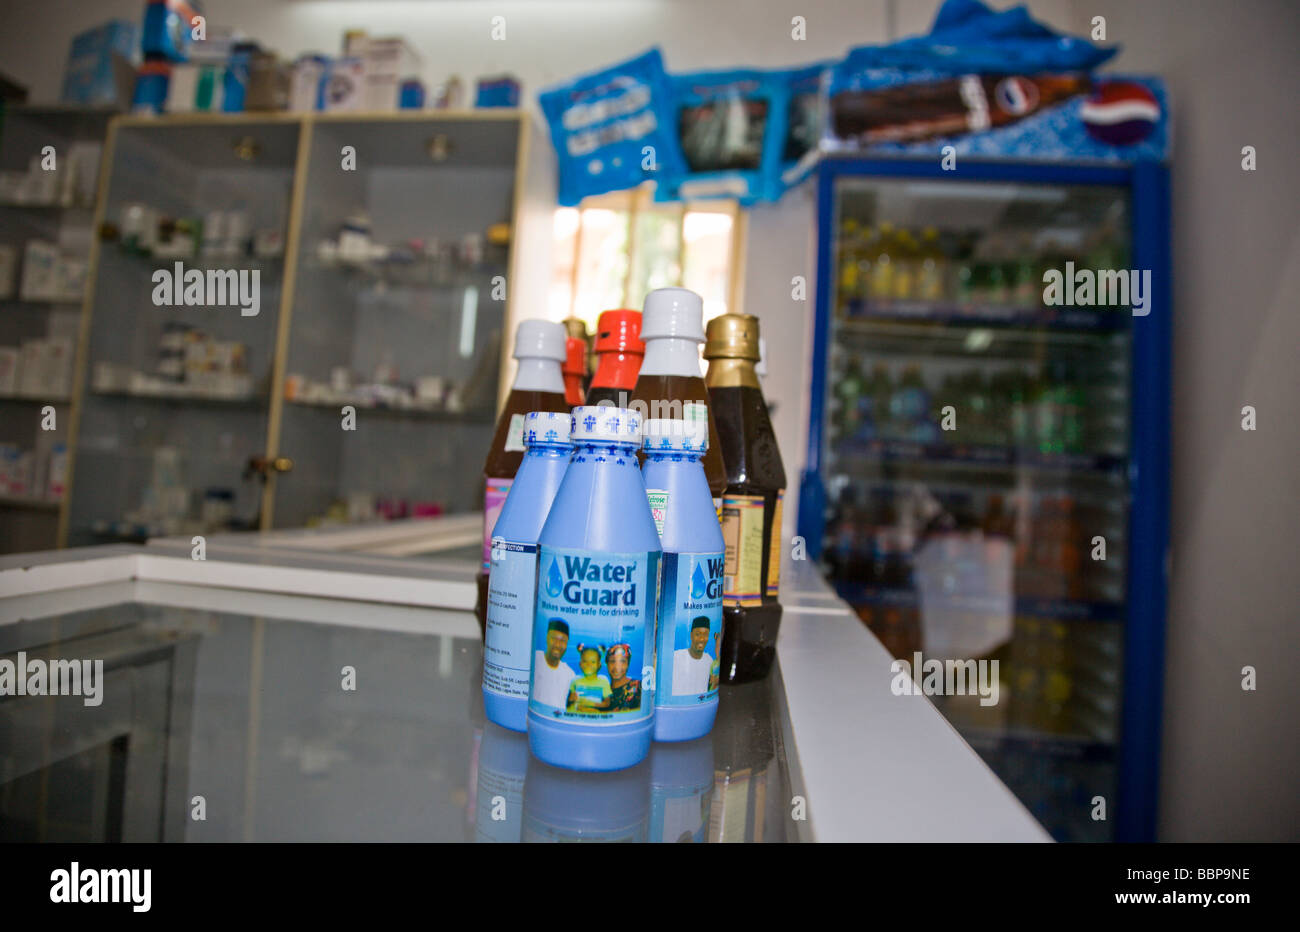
[[1039, 318], [239, 402], [420, 273], [480, 416], [37, 399], [1001, 458], [30, 503], [1054, 609]]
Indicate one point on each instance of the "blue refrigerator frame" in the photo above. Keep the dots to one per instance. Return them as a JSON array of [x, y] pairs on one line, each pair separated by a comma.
[[1134, 811]]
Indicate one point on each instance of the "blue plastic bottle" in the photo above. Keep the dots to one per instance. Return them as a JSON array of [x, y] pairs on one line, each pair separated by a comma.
[[591, 703], [564, 806], [499, 798], [681, 791], [512, 580], [690, 596]]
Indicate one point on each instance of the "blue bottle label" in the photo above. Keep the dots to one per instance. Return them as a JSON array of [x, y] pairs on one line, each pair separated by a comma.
[[690, 628], [512, 585], [593, 636]]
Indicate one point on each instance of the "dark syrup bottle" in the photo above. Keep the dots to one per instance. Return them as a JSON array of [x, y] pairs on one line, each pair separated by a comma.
[[752, 502], [669, 383], [538, 386]]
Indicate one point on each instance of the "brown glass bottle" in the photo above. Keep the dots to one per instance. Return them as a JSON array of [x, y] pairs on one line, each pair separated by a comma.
[[669, 383], [668, 396], [538, 386], [752, 502]]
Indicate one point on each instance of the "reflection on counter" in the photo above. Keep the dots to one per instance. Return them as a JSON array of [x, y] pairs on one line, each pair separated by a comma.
[[253, 714], [567, 805]]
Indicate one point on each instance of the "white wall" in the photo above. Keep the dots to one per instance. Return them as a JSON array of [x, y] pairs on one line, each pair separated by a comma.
[[1230, 759]]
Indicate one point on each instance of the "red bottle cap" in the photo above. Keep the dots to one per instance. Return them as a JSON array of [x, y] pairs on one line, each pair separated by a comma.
[[575, 362], [619, 332], [574, 369]]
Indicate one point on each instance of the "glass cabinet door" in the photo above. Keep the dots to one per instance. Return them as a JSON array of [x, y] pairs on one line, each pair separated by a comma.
[[49, 164], [976, 451], [186, 298], [399, 302]]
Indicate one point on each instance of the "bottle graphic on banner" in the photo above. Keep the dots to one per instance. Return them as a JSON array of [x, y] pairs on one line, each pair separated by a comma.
[[512, 582], [591, 699], [752, 503], [690, 594], [538, 386]]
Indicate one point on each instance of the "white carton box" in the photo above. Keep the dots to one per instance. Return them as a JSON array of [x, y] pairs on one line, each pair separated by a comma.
[[57, 359], [39, 260], [182, 87], [56, 475], [345, 81], [305, 83], [31, 377], [8, 271], [10, 366]]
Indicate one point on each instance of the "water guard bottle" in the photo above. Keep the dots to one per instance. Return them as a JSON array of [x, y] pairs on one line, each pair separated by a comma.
[[690, 595], [512, 583], [591, 704]]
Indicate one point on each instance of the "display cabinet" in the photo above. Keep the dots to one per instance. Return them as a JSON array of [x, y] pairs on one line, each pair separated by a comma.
[[299, 319], [49, 165]]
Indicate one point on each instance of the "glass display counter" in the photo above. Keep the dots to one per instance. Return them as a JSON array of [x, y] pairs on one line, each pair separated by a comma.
[[256, 680]]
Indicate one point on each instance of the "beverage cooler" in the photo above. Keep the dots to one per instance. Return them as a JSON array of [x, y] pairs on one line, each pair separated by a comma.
[[987, 466]]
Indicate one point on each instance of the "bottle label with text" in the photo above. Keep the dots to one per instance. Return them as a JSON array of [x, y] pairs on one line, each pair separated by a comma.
[[742, 531], [774, 549], [690, 628], [512, 587], [593, 636]]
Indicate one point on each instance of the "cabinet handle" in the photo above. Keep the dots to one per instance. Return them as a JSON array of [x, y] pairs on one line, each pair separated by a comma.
[[265, 465]]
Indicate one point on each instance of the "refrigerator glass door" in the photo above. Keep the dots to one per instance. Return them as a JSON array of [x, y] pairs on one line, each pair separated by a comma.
[[975, 456]]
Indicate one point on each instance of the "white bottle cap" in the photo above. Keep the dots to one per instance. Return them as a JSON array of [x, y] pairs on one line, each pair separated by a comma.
[[539, 339], [676, 435], [673, 312], [603, 423], [548, 427]]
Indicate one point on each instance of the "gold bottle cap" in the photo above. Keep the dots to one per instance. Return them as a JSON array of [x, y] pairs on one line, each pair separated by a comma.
[[575, 327], [732, 336]]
